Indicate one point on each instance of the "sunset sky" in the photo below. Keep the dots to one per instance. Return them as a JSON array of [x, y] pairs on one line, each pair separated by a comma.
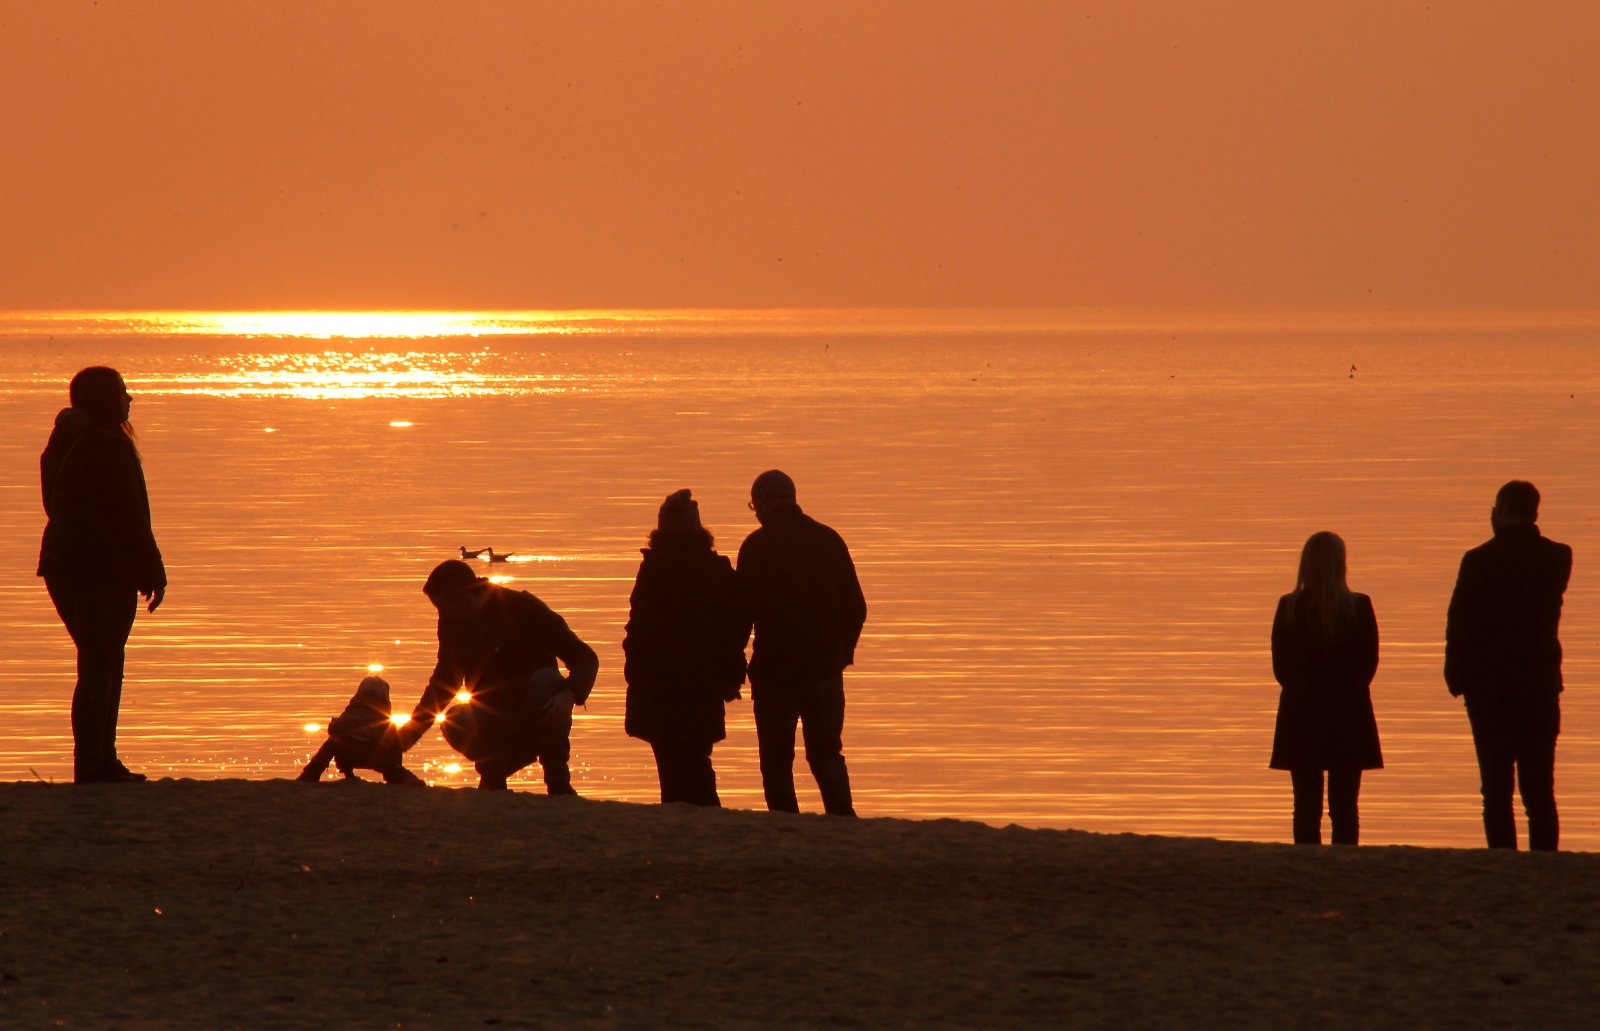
[[510, 154]]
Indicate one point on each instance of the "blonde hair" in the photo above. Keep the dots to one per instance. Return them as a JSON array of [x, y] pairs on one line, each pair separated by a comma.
[[1321, 598]]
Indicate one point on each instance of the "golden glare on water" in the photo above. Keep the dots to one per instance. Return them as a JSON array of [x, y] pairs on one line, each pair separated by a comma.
[[401, 424], [328, 325], [313, 728], [374, 667], [400, 719], [463, 696]]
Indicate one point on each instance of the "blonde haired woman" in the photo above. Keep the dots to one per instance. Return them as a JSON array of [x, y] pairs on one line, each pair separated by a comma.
[[1324, 654]]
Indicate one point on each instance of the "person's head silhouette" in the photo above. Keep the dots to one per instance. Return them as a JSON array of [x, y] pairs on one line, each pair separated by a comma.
[[455, 590], [1516, 504], [772, 491], [100, 393]]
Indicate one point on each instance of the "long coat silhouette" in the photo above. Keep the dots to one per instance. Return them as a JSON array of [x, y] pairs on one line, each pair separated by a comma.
[[98, 508], [1325, 719], [684, 646]]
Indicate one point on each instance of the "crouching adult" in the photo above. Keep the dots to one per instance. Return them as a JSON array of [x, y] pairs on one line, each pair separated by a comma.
[[495, 686]]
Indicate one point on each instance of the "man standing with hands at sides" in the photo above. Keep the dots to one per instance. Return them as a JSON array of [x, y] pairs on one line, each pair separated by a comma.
[[800, 586], [1503, 654], [500, 647]]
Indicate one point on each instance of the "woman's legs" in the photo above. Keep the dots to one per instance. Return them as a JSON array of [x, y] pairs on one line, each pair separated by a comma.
[[1344, 786], [99, 617], [1307, 806], [685, 772]]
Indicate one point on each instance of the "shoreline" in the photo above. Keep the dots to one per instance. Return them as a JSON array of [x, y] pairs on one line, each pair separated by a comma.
[[187, 903]]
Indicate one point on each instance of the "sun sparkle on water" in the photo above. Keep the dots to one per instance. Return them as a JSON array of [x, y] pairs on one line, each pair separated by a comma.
[[320, 325]]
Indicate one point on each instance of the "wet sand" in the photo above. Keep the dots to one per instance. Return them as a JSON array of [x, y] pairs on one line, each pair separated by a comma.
[[274, 904]]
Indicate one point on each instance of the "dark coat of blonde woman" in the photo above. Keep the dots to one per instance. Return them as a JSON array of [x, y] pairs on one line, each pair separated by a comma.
[[684, 648], [1324, 655], [98, 556]]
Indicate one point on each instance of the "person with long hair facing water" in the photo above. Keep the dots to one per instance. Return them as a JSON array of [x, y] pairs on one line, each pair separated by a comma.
[[684, 647], [98, 556], [1324, 654]]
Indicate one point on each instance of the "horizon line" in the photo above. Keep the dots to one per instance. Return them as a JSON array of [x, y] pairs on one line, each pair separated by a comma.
[[360, 323]]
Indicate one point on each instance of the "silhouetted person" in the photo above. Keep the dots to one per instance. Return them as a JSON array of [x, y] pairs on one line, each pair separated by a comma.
[[501, 646], [1502, 652], [1324, 654], [98, 557], [801, 590], [363, 737], [684, 648]]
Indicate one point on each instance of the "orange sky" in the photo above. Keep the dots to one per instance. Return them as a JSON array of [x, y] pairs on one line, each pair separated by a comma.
[[411, 154]]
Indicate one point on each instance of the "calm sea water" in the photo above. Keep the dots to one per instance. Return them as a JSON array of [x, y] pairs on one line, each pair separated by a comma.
[[1071, 542]]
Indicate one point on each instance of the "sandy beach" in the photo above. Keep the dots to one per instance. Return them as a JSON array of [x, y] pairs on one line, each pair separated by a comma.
[[187, 903]]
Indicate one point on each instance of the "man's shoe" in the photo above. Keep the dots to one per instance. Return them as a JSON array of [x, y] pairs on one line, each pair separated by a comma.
[[125, 774], [109, 775], [562, 789]]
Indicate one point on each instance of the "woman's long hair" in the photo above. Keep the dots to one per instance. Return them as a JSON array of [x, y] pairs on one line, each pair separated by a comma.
[[97, 392], [1321, 599], [694, 539]]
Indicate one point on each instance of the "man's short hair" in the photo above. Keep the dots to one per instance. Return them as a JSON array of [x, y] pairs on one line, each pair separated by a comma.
[[773, 483], [448, 577], [1518, 499]]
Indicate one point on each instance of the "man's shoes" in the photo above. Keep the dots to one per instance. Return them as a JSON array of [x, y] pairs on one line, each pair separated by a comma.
[[126, 774], [489, 782], [562, 789], [116, 773]]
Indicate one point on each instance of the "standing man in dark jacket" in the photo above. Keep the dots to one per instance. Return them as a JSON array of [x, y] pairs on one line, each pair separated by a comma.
[[1503, 654], [496, 675], [801, 590]]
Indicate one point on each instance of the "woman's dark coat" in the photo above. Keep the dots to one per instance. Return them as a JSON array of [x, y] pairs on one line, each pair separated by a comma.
[[1325, 719], [97, 506], [684, 646]]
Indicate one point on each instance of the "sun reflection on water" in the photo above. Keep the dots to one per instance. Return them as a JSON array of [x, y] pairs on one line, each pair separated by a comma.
[[323, 325], [348, 374]]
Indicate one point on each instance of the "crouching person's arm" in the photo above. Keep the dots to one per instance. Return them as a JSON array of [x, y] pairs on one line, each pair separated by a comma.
[[436, 697], [583, 665]]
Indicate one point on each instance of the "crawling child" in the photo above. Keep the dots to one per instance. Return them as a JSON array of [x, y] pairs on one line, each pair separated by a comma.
[[362, 737]]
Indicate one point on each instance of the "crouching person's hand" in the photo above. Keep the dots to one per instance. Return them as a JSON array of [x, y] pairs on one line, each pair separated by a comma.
[[559, 705]]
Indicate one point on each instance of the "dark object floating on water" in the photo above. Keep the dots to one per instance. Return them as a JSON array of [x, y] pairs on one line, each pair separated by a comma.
[[493, 557], [472, 554]]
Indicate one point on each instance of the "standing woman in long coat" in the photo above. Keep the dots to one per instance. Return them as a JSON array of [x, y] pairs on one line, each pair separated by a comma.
[[97, 557], [1324, 654], [684, 651]]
